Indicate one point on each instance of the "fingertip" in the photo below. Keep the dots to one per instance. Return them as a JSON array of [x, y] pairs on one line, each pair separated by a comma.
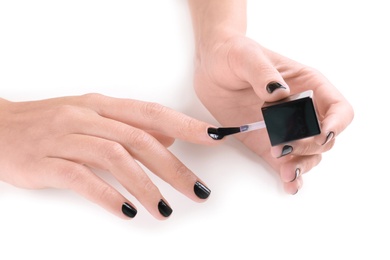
[[292, 188], [281, 150], [128, 210], [325, 137], [273, 85], [213, 136], [201, 191], [276, 90], [164, 209]]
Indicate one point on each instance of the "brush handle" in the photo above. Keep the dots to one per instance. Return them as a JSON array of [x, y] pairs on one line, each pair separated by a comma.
[[253, 126], [224, 131]]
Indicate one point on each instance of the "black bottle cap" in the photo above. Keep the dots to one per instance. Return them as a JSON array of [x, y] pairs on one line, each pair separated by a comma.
[[291, 119]]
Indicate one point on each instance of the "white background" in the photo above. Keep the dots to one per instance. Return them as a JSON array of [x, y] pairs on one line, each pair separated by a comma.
[[144, 50]]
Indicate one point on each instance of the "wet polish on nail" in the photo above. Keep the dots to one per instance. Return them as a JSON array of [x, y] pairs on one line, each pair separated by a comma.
[[164, 209], [213, 133], [329, 137], [128, 210], [287, 149], [201, 190], [272, 86]]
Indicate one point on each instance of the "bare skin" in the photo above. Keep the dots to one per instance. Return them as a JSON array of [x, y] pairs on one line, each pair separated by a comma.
[[232, 79], [58, 142]]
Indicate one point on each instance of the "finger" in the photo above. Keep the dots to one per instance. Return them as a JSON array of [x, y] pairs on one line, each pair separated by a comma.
[[293, 187], [149, 152], [335, 112], [298, 165], [250, 63], [302, 147], [113, 157], [163, 139], [291, 169], [151, 117], [64, 174], [336, 119]]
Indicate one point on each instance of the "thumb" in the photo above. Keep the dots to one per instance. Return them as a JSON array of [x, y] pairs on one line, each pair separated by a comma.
[[256, 68]]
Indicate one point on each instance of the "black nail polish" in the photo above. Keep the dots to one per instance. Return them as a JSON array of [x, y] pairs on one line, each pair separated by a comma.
[[201, 190], [164, 209], [287, 149], [329, 137], [297, 173], [213, 133], [272, 86], [128, 210]]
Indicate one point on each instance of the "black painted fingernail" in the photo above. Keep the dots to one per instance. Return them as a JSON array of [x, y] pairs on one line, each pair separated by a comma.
[[129, 210], [297, 173], [272, 86], [164, 209], [287, 149], [329, 137], [201, 190], [213, 133]]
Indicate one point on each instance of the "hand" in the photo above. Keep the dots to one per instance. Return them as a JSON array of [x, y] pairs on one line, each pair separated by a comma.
[[58, 142], [233, 79]]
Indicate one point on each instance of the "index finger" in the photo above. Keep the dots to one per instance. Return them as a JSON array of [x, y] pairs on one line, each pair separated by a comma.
[[151, 116]]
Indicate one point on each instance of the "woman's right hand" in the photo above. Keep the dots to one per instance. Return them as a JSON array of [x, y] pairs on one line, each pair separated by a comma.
[[58, 142]]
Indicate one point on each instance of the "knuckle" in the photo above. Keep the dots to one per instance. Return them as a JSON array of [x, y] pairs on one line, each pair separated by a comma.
[[68, 114], [306, 70], [104, 193], [187, 125], [67, 111], [140, 140], [71, 175], [152, 110], [305, 149], [92, 98], [114, 152], [148, 186], [181, 173]]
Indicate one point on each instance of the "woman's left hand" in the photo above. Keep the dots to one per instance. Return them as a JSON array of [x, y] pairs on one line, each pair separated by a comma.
[[234, 78]]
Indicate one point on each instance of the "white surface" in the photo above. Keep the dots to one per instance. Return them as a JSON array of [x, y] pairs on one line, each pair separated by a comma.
[[143, 50]]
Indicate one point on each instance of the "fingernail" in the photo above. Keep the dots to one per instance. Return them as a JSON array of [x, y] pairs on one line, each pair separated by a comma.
[[297, 173], [286, 150], [128, 210], [201, 190], [272, 86], [164, 209], [213, 133], [329, 137]]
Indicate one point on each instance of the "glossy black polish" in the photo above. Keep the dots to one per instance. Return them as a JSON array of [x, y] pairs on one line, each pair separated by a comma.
[[201, 190], [128, 210], [219, 133], [297, 173], [272, 86], [164, 209], [329, 137], [213, 133], [287, 149]]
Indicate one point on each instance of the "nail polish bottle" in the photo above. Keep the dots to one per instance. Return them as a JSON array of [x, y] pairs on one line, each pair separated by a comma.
[[292, 118]]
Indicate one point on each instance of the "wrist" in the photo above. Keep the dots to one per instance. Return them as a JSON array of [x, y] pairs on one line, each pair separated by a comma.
[[210, 44], [3, 102], [216, 21]]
